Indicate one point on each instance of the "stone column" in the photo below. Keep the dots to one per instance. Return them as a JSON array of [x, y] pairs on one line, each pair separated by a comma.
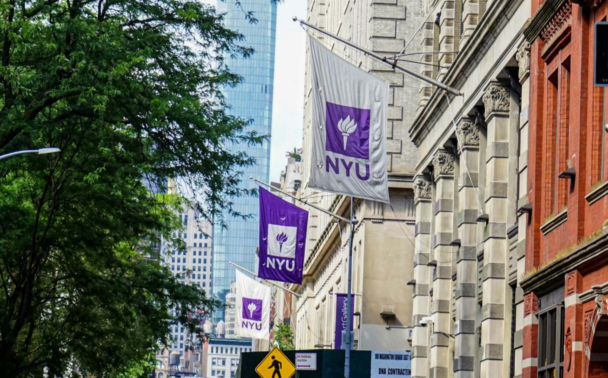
[[443, 171], [468, 211], [530, 350], [449, 34], [472, 11], [573, 326], [420, 305], [494, 338], [428, 59], [523, 58]]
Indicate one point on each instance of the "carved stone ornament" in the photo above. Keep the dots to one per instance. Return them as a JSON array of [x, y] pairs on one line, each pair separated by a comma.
[[422, 189], [496, 99], [468, 133], [443, 164], [568, 345], [523, 58], [599, 300]]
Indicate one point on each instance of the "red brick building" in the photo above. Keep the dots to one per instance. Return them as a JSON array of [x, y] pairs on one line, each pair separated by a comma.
[[566, 279]]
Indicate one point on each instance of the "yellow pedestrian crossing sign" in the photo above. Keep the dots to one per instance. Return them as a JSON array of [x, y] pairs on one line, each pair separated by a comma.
[[276, 365]]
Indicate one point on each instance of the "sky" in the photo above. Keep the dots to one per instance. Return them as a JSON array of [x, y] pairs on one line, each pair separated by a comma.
[[287, 108]]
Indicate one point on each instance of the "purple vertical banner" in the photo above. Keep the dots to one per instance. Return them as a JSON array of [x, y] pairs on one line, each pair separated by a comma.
[[341, 317], [282, 239]]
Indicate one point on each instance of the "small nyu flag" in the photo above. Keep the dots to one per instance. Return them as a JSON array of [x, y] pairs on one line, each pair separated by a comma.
[[252, 308], [282, 239], [349, 123]]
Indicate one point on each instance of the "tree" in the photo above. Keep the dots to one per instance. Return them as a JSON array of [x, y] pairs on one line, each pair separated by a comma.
[[128, 89], [284, 336]]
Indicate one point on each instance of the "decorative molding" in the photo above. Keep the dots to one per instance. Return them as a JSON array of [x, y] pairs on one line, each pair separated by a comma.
[[443, 164], [530, 304], [558, 22], [523, 58], [597, 193], [554, 223], [422, 189], [570, 283], [552, 275], [543, 16], [467, 132], [496, 99]]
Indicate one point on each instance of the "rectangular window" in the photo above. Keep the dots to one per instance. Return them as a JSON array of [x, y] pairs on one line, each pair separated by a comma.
[[551, 141], [550, 342], [205, 245], [563, 136], [185, 235], [185, 219], [205, 261], [196, 236]]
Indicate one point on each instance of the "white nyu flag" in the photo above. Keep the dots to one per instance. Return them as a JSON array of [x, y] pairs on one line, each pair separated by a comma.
[[252, 308], [349, 123]]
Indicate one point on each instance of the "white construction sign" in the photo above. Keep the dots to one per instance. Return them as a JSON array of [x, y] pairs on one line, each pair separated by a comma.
[[306, 361], [391, 364]]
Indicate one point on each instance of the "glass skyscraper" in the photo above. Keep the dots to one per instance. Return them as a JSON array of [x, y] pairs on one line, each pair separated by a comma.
[[250, 100]]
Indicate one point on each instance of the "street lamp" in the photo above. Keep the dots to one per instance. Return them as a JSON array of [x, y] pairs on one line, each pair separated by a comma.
[[41, 151]]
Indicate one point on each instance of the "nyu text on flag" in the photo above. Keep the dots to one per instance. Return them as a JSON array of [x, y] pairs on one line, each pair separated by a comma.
[[252, 308], [349, 123], [282, 239]]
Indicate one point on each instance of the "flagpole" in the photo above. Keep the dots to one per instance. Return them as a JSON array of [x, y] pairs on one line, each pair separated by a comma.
[[414, 74], [267, 281], [349, 317], [304, 202]]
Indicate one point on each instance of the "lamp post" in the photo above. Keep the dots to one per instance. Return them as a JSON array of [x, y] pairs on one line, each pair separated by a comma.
[[41, 151]]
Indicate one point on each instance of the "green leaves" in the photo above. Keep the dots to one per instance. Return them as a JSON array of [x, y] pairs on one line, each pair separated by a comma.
[[128, 89]]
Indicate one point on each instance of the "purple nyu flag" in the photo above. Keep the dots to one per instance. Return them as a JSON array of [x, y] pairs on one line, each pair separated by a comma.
[[282, 239], [341, 317]]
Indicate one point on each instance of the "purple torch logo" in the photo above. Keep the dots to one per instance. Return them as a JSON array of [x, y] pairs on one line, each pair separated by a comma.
[[281, 238]]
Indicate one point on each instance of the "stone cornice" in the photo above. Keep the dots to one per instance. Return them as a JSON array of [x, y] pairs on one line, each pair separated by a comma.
[[542, 17], [490, 24], [552, 275]]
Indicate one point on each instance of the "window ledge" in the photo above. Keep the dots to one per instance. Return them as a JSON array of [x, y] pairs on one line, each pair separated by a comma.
[[554, 223], [597, 193]]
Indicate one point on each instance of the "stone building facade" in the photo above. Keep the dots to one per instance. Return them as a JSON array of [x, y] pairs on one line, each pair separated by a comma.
[[383, 243], [566, 273], [471, 180]]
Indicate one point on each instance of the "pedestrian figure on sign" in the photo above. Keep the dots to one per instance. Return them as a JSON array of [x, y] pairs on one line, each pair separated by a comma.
[[277, 365]]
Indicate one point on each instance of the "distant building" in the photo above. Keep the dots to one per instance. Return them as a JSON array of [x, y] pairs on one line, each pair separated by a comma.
[[231, 312], [221, 356], [192, 266], [250, 100]]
